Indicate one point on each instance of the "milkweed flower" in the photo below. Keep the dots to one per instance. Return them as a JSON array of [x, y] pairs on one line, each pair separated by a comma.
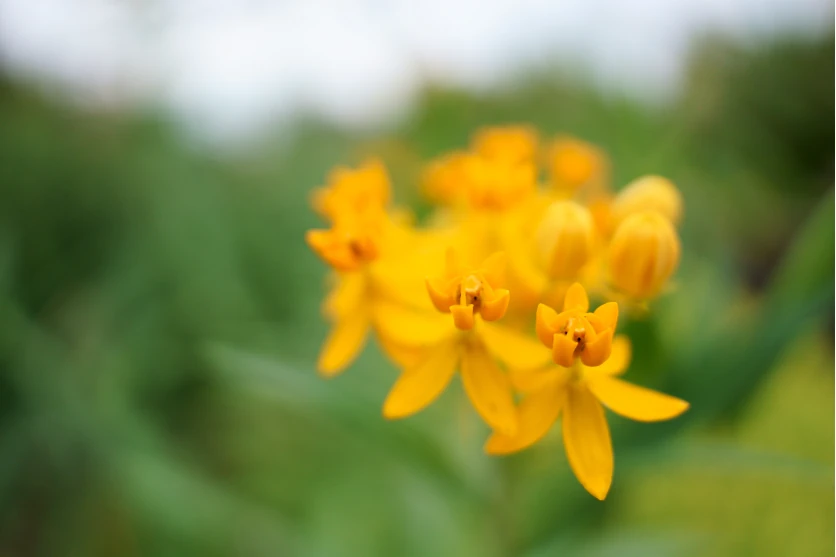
[[575, 332], [468, 343], [575, 164], [643, 254], [579, 392], [514, 144], [353, 191]]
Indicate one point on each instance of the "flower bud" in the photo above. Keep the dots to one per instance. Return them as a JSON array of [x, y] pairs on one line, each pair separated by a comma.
[[565, 239], [648, 193], [643, 254], [514, 144]]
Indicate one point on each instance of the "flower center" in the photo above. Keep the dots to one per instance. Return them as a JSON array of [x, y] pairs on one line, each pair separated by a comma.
[[471, 291], [576, 328]]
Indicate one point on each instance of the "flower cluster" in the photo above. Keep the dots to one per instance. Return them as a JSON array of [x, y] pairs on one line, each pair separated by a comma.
[[520, 228]]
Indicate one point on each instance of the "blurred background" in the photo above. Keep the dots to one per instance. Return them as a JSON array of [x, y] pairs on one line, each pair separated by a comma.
[[159, 311]]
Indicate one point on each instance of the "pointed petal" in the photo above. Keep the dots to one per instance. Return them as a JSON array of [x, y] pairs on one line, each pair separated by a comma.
[[616, 364], [527, 381], [489, 390], [493, 269], [634, 402], [586, 436], [418, 386], [576, 298], [402, 355], [462, 316], [496, 307], [545, 323], [440, 297], [608, 314], [537, 414], [408, 327], [333, 252], [514, 349], [344, 343], [597, 351], [563, 350]]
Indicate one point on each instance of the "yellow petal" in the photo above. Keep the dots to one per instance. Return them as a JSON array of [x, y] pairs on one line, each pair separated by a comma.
[[514, 349], [537, 414], [531, 380], [493, 269], [496, 307], [634, 402], [462, 316], [344, 342], [404, 356], [346, 296], [563, 350], [608, 314], [452, 262], [489, 390], [618, 361], [545, 324], [439, 294], [418, 386], [408, 327], [576, 298], [597, 351], [587, 440]]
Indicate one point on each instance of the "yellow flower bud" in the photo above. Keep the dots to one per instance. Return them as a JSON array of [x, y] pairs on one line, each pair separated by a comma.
[[643, 254], [497, 184], [648, 193], [565, 239], [444, 178]]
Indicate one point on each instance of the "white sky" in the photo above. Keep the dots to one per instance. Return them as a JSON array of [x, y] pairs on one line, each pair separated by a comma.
[[228, 66]]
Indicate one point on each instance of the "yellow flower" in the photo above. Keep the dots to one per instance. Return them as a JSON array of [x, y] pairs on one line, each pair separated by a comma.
[[565, 239], [353, 190], [465, 292], [643, 254], [579, 391], [432, 349], [576, 333], [497, 184], [574, 164], [352, 241], [648, 193], [444, 178], [513, 144]]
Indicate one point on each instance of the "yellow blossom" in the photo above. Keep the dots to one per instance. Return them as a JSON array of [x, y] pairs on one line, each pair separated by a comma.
[[514, 144], [576, 333], [643, 254], [579, 391], [434, 349], [465, 292], [574, 164], [444, 178], [648, 193], [353, 190], [497, 184]]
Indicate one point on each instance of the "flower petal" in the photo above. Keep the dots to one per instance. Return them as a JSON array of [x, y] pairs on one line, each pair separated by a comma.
[[587, 440], [462, 316], [344, 342], [537, 414], [408, 327], [493, 269], [530, 380], [563, 350], [441, 298], [616, 364], [489, 389], [597, 351], [608, 314], [634, 402], [345, 296], [576, 298], [418, 386], [545, 323], [496, 307], [514, 349]]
